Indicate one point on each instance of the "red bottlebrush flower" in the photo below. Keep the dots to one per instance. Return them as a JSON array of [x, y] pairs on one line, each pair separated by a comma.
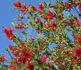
[[76, 52], [28, 55], [31, 38], [13, 50], [77, 23], [25, 56], [74, 61], [77, 38], [2, 58], [29, 67], [20, 26], [20, 60], [79, 7], [49, 15], [52, 24], [17, 4], [8, 33], [43, 58], [23, 9], [21, 44], [12, 67], [10, 47], [40, 6], [67, 5]]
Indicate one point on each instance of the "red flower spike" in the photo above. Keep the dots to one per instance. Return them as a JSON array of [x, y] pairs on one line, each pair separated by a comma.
[[68, 5], [28, 55], [20, 60], [76, 52], [29, 67], [74, 61], [40, 6], [23, 9], [79, 7], [13, 50], [21, 44], [25, 56], [78, 23], [52, 24], [8, 33], [10, 47], [17, 4], [20, 26], [12, 67], [2, 58], [77, 38], [43, 58], [49, 15]]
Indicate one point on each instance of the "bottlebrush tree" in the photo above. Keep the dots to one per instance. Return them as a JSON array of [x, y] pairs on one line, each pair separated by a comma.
[[51, 26]]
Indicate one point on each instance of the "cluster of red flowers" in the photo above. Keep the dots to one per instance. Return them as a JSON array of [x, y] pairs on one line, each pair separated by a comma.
[[20, 7], [20, 26], [40, 7], [2, 58], [49, 15], [77, 52], [67, 5], [12, 67], [22, 55], [79, 7], [77, 39], [9, 33], [23, 8], [24, 51], [77, 23], [43, 58], [51, 25]]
